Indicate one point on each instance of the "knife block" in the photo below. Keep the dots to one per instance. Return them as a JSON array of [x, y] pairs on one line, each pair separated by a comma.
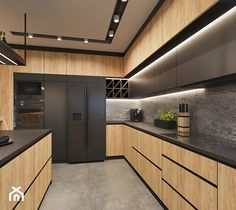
[[183, 124]]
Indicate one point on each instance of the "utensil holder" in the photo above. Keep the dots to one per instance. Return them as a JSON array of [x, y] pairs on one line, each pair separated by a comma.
[[183, 124]]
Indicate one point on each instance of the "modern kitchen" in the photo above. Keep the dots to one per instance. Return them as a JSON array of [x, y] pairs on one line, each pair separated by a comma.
[[118, 105]]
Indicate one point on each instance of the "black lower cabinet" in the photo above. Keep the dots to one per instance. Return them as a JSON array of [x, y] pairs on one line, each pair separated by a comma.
[[56, 118]]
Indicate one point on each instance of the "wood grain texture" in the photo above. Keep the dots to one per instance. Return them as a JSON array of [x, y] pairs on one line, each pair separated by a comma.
[[55, 63], [114, 140], [171, 19], [226, 187], [173, 200], [198, 192], [201, 165], [42, 182], [35, 62]]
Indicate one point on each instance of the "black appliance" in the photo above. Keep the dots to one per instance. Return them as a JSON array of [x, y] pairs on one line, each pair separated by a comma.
[[136, 115], [75, 111], [28, 101]]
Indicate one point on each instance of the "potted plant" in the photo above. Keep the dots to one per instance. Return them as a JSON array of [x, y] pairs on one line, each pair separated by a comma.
[[166, 119]]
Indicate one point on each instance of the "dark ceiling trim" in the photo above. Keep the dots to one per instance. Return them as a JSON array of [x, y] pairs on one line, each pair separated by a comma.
[[154, 11], [118, 10], [66, 50]]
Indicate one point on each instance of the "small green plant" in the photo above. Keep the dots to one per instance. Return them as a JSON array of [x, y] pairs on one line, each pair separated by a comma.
[[166, 115]]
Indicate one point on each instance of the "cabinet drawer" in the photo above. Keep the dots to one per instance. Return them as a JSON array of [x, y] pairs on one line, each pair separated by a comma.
[[201, 165], [197, 191], [43, 151], [152, 175], [152, 149], [173, 200], [42, 182]]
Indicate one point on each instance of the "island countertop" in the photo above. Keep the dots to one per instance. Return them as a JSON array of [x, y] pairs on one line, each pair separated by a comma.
[[22, 140]]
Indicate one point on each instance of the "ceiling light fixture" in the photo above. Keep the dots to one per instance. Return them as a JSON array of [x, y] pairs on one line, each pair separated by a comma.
[[31, 36], [111, 33], [86, 41], [2, 62], [116, 19], [8, 59], [124, 0], [59, 38]]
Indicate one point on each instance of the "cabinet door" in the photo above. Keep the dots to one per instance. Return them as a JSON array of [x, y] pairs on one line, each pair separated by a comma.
[[55, 117], [142, 84], [96, 121], [76, 123], [165, 72], [226, 187], [208, 55]]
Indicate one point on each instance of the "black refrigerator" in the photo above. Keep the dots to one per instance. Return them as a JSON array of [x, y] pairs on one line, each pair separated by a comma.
[[86, 120], [75, 110]]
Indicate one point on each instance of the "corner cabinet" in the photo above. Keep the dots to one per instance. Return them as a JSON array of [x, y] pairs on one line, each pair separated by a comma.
[[31, 171]]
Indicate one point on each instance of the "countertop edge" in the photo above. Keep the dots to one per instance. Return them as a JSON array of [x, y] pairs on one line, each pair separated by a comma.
[[213, 156], [18, 152]]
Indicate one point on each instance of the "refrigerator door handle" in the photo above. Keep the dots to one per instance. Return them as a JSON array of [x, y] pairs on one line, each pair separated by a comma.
[[87, 112]]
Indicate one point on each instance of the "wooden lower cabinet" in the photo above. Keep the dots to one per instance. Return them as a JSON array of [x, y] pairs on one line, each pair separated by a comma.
[[226, 187], [21, 172], [198, 192], [173, 200], [114, 140]]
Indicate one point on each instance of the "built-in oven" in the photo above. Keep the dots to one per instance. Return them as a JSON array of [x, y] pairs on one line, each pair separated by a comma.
[[29, 114]]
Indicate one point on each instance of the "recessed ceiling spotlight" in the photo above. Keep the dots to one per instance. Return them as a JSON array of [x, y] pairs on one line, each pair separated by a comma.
[[116, 19], [124, 0], [111, 33], [31, 36], [86, 41], [2, 62], [59, 38]]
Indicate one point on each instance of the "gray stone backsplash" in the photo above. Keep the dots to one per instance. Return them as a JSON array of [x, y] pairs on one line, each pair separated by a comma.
[[213, 110]]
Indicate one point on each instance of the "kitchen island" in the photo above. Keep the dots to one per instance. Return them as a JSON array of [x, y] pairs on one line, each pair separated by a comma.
[[25, 168]]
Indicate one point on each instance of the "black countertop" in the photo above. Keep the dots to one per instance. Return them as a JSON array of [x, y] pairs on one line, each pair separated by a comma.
[[216, 148], [22, 140]]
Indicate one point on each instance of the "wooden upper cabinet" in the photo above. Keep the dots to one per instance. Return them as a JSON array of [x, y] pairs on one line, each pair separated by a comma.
[[94, 65], [34, 62], [55, 63], [172, 18], [226, 187]]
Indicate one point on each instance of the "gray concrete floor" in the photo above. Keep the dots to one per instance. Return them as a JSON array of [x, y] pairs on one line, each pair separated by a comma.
[[109, 185]]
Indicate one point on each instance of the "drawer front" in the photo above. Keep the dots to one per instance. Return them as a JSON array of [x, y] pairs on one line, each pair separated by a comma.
[[137, 161], [197, 191], [173, 200], [42, 182], [152, 175], [201, 165], [152, 149], [226, 187], [114, 140], [43, 151]]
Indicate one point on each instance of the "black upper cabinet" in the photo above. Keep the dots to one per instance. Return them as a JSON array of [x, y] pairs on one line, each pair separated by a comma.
[[141, 84], [209, 55], [165, 72]]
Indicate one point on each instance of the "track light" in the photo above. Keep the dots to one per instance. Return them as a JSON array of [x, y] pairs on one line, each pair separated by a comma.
[[124, 0], [59, 38], [31, 36], [111, 33], [116, 19], [2, 62], [86, 41]]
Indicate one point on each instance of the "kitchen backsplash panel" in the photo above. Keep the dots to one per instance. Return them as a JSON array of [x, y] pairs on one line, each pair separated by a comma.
[[213, 110], [119, 109]]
